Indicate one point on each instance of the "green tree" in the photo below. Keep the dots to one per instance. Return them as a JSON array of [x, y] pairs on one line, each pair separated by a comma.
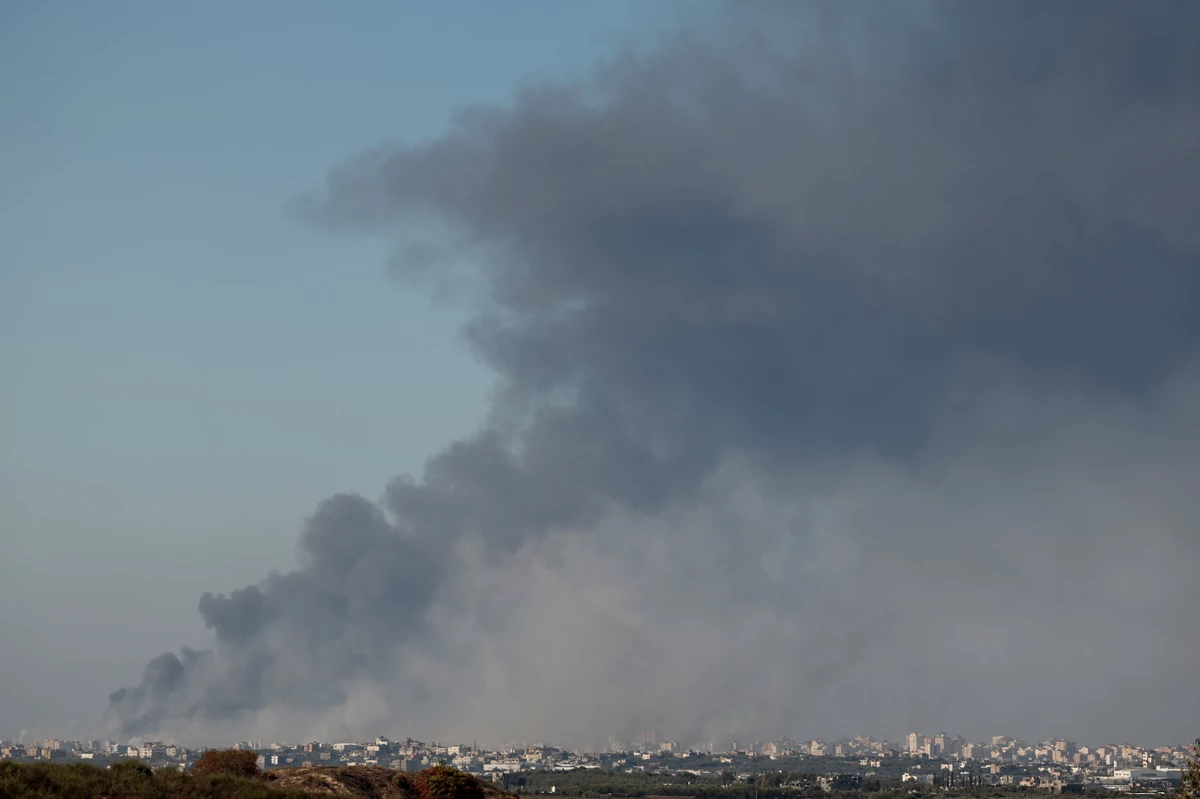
[[444, 782], [132, 766], [1189, 784], [235, 762]]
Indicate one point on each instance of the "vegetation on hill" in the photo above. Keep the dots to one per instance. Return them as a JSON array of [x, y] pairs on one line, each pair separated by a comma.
[[131, 779], [439, 782], [444, 782], [221, 775], [235, 762], [1189, 784]]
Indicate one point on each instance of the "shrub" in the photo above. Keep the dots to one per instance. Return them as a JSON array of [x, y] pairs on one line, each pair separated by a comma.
[[235, 762], [133, 766], [1189, 784], [444, 782], [128, 780]]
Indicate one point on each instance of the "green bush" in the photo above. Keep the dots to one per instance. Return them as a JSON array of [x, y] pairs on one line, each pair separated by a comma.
[[235, 762], [132, 766], [444, 782], [128, 779], [1189, 784]]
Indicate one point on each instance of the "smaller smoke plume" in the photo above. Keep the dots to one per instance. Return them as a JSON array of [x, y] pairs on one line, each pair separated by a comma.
[[357, 568]]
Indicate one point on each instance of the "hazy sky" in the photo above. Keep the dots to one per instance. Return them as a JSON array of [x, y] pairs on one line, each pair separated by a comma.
[[811, 369], [186, 369]]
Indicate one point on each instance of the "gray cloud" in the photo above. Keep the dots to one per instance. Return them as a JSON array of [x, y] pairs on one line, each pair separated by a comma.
[[846, 379]]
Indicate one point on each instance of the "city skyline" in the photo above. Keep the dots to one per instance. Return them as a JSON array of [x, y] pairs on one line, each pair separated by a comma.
[[930, 745], [861, 765], [914, 744]]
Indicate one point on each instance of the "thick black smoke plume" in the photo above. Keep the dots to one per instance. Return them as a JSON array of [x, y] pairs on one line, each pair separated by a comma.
[[846, 365]]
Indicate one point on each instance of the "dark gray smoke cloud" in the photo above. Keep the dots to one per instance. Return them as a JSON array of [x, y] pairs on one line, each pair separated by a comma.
[[847, 382]]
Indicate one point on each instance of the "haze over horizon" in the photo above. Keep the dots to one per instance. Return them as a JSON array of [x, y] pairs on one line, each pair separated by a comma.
[[834, 372]]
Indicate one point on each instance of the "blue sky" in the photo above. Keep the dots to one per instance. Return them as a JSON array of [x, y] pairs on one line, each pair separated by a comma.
[[187, 370]]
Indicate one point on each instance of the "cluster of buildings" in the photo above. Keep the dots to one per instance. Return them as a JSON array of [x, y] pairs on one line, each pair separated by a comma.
[[1056, 763], [103, 751], [1003, 749], [940, 760], [407, 755]]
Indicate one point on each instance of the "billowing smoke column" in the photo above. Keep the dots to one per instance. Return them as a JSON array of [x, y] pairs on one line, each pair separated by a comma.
[[847, 381]]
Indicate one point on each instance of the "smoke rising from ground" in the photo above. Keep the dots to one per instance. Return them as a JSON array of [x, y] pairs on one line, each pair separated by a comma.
[[847, 382]]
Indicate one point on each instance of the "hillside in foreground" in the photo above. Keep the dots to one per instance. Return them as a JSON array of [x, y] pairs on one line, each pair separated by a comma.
[[381, 783], [134, 780]]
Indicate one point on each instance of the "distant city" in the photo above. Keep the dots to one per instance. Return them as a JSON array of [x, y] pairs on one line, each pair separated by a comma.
[[942, 759]]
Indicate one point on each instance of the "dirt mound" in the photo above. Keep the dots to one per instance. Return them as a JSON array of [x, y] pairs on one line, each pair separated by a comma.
[[370, 782], [366, 781]]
